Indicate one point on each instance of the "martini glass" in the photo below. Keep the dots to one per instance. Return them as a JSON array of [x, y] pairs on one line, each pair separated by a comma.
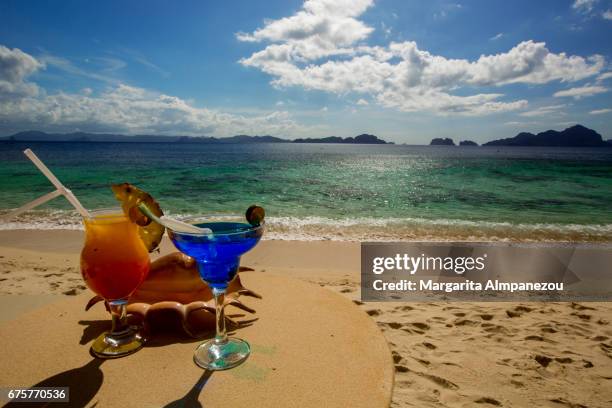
[[114, 262], [217, 255]]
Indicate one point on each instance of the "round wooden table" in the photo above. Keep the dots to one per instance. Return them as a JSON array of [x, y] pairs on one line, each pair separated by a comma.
[[310, 347]]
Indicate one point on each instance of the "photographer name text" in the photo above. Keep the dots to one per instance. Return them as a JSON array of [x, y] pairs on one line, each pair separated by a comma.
[[412, 265]]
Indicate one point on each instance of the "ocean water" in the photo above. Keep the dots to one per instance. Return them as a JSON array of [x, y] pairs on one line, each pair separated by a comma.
[[343, 192]]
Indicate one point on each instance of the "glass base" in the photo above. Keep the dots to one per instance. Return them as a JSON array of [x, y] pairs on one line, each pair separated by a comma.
[[213, 356], [115, 345]]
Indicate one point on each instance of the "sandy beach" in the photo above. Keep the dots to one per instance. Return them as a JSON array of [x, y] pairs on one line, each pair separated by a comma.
[[445, 354]]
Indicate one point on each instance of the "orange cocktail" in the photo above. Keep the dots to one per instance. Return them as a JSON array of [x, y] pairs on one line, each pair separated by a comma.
[[114, 262]]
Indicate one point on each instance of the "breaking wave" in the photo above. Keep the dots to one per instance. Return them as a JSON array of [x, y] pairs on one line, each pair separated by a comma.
[[367, 229]]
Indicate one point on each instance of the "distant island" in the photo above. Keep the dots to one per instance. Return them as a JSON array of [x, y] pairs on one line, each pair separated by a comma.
[[447, 141], [361, 139], [467, 143], [438, 141], [82, 137], [575, 136]]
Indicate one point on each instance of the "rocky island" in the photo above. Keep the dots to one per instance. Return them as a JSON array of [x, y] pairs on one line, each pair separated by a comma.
[[438, 141], [81, 137], [575, 136], [361, 139], [467, 143]]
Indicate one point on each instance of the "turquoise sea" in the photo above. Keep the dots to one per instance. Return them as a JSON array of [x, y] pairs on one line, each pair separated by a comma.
[[346, 192]]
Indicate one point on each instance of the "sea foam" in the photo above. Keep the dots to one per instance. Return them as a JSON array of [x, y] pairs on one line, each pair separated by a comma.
[[368, 229]]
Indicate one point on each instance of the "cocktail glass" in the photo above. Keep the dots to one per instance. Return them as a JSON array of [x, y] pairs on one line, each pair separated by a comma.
[[114, 262], [217, 255]]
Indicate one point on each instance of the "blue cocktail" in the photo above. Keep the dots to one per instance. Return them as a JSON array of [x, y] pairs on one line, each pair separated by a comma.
[[217, 254]]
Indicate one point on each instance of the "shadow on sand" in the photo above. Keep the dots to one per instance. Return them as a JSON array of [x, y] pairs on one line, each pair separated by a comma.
[[190, 400], [92, 329], [84, 382]]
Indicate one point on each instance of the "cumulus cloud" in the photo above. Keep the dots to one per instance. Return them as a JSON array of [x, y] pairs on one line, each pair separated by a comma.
[[497, 36], [600, 111], [607, 14], [120, 108], [134, 110], [321, 28], [582, 91], [15, 67], [307, 50], [362, 102]]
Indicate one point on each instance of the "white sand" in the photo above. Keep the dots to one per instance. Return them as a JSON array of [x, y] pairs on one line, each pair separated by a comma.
[[446, 354]]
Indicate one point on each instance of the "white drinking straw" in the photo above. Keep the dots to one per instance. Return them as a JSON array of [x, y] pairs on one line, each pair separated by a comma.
[[61, 190]]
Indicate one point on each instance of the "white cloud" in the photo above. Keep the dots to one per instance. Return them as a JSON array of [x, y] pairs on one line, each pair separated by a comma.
[[120, 108], [15, 66], [65, 65], [582, 91], [523, 125], [531, 63], [515, 123], [108, 64], [543, 110], [497, 37], [362, 102], [144, 61], [607, 14], [605, 75], [600, 111], [584, 5], [134, 110], [320, 29], [303, 51]]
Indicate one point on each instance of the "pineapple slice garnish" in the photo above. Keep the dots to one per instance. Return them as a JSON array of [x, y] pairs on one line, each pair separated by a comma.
[[130, 197]]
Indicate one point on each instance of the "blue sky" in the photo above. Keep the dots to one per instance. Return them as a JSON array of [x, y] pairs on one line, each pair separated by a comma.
[[404, 70]]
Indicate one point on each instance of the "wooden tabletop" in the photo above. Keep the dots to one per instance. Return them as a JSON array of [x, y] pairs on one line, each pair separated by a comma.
[[310, 347]]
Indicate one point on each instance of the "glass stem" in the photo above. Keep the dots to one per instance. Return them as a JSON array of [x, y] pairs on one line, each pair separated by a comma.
[[221, 335], [118, 313]]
